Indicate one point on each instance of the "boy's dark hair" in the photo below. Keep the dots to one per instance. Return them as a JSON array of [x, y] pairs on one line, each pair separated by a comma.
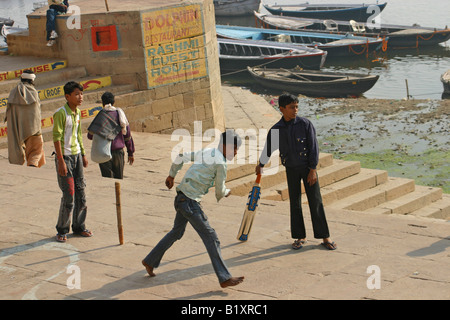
[[230, 137], [70, 87], [286, 98], [108, 98]]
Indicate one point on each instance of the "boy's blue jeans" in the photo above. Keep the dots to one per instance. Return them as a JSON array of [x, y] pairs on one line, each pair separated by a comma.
[[51, 18], [189, 210]]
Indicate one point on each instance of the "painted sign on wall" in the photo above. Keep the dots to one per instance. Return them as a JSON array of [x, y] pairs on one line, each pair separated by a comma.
[[9, 75], [48, 122], [58, 91], [174, 45]]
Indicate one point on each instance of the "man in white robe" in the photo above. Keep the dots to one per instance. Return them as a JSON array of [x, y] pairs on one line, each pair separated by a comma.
[[23, 116]]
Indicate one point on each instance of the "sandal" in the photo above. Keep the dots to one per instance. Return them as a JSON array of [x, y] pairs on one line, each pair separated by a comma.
[[85, 233], [298, 244], [329, 245], [61, 237]]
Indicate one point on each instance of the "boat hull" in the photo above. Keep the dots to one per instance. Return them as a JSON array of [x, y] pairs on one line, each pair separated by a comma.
[[236, 7], [6, 22], [235, 55], [354, 85], [400, 37], [335, 45], [360, 14], [229, 64]]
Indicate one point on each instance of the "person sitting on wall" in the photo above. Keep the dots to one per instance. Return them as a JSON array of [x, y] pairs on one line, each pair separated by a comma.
[[56, 7]]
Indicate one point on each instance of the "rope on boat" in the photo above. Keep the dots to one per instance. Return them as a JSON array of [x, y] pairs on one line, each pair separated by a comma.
[[258, 66], [365, 49], [419, 36]]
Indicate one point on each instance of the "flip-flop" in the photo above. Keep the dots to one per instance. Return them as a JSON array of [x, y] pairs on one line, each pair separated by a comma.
[[61, 237], [298, 244], [85, 233], [329, 245]]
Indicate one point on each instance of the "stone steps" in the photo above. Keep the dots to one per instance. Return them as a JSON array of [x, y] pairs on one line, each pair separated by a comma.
[[328, 175], [410, 202], [366, 199], [52, 94], [59, 76], [241, 185], [365, 179], [439, 209], [345, 185]]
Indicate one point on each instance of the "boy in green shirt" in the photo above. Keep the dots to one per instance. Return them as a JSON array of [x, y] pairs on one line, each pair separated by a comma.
[[70, 160]]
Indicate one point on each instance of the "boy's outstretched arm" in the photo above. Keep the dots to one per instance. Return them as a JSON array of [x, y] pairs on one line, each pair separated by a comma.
[[177, 165]]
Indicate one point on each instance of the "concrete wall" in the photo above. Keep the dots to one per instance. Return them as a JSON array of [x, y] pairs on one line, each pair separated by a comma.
[[173, 101]]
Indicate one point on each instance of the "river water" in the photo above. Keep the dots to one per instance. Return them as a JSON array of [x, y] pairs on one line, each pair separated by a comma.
[[422, 68]]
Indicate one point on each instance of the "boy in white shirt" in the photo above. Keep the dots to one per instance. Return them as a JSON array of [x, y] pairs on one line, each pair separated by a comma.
[[209, 168]]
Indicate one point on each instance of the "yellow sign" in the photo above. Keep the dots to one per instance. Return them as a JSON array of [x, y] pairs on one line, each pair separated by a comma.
[[9, 75], [48, 122], [58, 91], [174, 45], [171, 24], [88, 85]]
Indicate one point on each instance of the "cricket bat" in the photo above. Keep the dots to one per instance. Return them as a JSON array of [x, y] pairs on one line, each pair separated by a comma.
[[250, 210]]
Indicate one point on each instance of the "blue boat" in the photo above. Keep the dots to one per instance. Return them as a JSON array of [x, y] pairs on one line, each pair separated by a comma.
[[357, 12], [400, 37], [336, 45], [239, 54], [235, 7]]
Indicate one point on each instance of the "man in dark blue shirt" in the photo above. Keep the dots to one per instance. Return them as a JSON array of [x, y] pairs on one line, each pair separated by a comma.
[[299, 153]]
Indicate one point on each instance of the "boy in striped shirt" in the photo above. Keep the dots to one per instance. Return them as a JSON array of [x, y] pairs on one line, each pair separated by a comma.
[[70, 160]]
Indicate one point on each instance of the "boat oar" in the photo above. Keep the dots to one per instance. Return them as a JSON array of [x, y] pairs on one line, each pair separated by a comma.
[[296, 75]]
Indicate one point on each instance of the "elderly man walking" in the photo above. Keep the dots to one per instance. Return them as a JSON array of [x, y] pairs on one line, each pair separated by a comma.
[[23, 117]]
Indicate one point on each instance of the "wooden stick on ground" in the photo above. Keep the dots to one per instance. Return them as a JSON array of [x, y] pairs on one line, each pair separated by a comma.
[[106, 4], [119, 213]]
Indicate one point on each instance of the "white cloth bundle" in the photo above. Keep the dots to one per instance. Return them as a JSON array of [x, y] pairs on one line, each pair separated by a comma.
[[122, 117]]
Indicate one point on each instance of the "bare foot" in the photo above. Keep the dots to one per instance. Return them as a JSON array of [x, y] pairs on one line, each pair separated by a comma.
[[233, 281], [149, 269]]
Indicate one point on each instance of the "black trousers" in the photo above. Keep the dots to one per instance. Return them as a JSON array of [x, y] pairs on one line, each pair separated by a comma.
[[294, 176], [114, 167]]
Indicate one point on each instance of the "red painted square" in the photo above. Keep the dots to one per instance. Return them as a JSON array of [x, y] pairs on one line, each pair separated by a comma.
[[104, 38]]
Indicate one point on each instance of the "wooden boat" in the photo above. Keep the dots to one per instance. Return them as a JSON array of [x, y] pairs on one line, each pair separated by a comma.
[[399, 36], [337, 45], [6, 22], [5, 30], [235, 7], [357, 12], [238, 54], [314, 83]]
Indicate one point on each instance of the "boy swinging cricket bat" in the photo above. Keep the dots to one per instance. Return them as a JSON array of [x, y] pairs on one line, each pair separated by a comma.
[[250, 210]]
